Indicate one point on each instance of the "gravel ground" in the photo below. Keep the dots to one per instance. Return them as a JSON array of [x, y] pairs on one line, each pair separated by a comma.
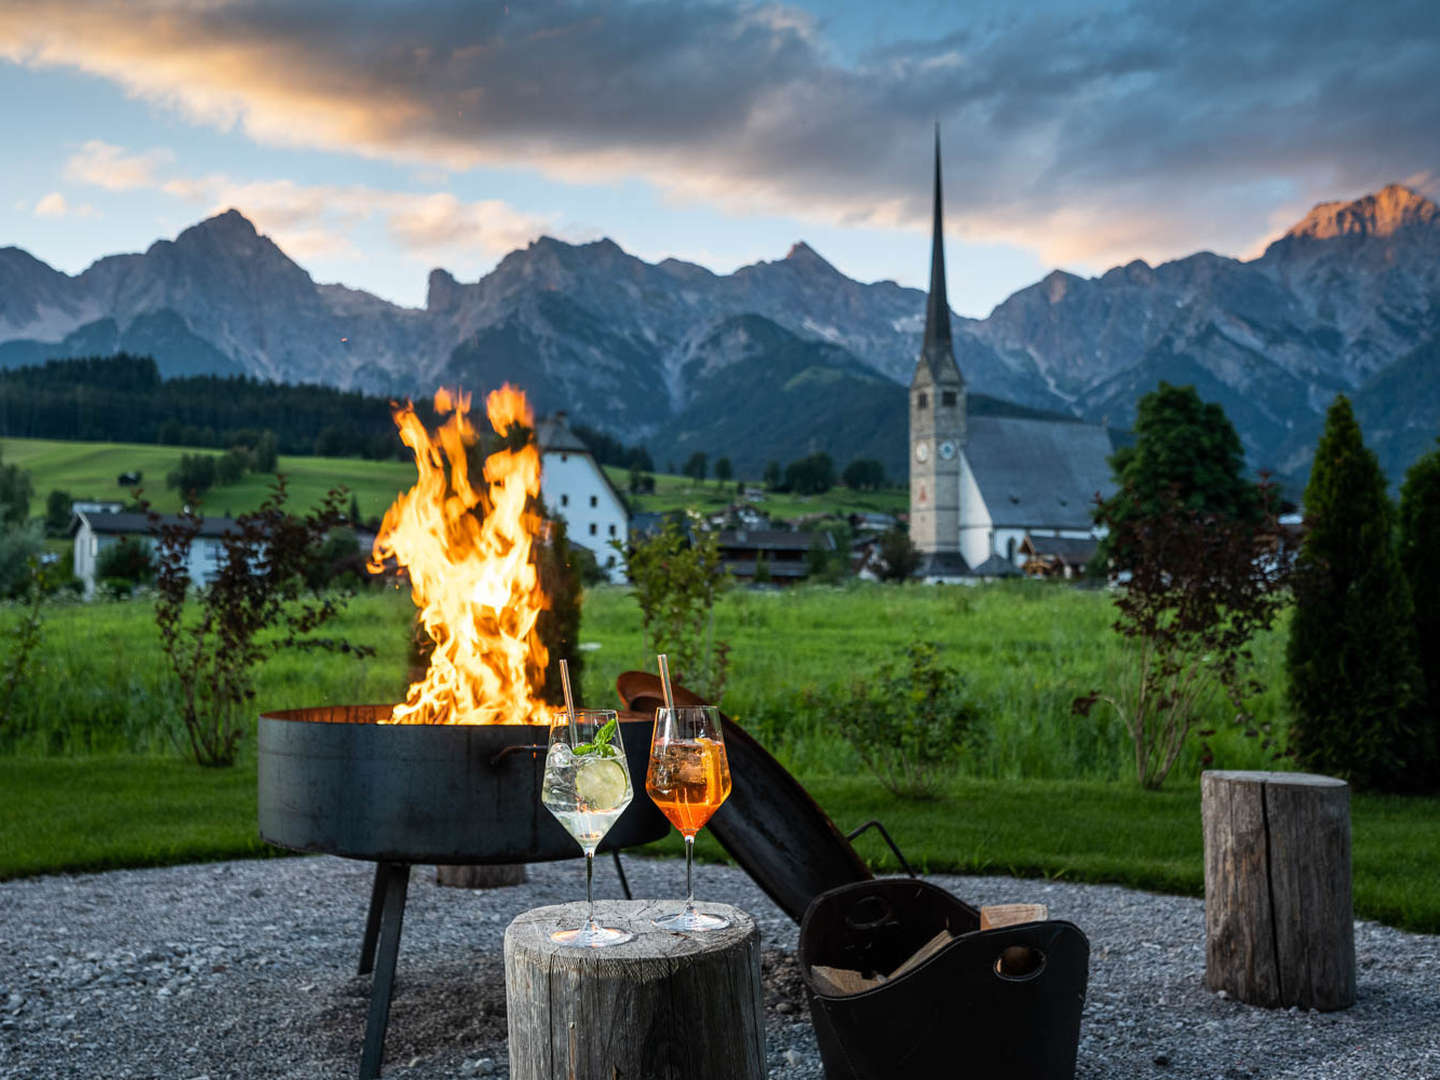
[[246, 969]]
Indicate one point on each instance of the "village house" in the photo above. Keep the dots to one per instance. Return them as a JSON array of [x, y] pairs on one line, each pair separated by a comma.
[[92, 533], [782, 553], [575, 488]]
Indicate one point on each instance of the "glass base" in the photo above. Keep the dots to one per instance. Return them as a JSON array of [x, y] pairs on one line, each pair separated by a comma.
[[592, 937], [692, 920]]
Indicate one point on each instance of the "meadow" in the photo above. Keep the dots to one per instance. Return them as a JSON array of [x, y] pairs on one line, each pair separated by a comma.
[[94, 775], [88, 470]]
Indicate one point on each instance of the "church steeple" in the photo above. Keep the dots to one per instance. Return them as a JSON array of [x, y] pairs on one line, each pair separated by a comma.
[[938, 349], [937, 413]]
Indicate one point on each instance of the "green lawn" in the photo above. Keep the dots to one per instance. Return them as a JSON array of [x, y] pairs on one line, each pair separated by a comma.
[[88, 471], [91, 778], [681, 492], [105, 812]]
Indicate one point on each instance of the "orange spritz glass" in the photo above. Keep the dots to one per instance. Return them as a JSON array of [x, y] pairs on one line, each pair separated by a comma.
[[688, 779]]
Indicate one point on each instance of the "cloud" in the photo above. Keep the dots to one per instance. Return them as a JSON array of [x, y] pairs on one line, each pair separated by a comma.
[[55, 205], [52, 205], [114, 168], [1096, 136]]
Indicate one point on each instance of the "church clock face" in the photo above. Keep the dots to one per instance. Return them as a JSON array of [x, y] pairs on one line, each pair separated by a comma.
[[922, 451], [947, 449]]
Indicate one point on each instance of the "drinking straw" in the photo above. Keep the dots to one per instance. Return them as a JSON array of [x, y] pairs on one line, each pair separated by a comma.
[[665, 682], [569, 701]]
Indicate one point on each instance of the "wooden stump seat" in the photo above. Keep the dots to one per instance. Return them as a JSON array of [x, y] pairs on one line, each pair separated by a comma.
[[667, 1004], [1279, 923]]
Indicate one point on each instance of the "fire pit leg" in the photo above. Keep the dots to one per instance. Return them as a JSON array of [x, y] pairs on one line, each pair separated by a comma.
[[372, 921], [624, 884], [396, 877]]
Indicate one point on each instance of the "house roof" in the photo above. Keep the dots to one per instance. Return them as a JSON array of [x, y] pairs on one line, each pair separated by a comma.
[[943, 564], [996, 566], [553, 434], [1071, 549], [139, 524], [772, 540], [1039, 473]]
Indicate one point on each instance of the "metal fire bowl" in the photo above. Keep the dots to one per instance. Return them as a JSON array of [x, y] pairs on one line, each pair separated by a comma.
[[335, 780]]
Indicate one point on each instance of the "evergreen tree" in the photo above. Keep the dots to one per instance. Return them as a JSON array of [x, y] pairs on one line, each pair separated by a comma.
[[1420, 560], [15, 492], [1185, 452], [1353, 678]]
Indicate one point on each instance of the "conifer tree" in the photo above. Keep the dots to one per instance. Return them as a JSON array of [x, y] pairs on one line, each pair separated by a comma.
[[1353, 677], [1420, 559]]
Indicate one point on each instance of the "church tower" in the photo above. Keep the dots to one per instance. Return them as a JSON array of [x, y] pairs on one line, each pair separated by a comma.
[[937, 413]]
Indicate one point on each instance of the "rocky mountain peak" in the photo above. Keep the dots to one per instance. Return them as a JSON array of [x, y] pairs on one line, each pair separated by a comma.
[[1384, 213], [803, 257], [443, 291]]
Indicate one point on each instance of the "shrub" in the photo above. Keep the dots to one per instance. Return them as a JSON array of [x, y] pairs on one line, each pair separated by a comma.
[[677, 579], [898, 557], [910, 722], [251, 608], [128, 559], [1354, 683], [1201, 586]]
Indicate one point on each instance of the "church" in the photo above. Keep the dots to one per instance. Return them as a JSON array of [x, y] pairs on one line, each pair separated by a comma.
[[990, 495]]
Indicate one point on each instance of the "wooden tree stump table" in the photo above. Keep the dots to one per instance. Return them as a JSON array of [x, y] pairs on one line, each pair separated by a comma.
[[664, 1006], [1279, 923]]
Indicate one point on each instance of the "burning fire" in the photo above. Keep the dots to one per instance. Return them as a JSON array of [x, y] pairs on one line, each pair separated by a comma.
[[471, 574]]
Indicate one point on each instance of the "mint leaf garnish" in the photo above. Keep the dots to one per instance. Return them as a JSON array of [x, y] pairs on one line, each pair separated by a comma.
[[601, 741]]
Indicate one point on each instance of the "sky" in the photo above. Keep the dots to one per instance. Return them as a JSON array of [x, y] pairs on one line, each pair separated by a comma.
[[375, 140]]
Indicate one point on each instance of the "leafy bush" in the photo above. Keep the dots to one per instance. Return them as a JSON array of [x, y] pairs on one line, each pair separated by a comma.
[[677, 579], [128, 559], [898, 556], [251, 609], [910, 722], [1201, 586]]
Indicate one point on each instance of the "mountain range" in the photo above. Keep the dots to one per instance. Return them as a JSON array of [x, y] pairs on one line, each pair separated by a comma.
[[782, 358]]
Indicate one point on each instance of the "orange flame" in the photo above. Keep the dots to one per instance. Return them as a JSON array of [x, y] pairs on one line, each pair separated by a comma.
[[471, 574]]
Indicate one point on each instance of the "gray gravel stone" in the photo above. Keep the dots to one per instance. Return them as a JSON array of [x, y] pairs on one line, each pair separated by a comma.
[[246, 970]]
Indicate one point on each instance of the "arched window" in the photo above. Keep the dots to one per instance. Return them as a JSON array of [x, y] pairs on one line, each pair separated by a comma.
[[922, 400], [1010, 549]]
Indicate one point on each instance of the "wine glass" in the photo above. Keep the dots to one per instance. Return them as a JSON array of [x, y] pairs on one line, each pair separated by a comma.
[[587, 788], [688, 779]]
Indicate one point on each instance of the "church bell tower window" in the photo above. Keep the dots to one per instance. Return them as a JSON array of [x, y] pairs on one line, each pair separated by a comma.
[[922, 400], [947, 397]]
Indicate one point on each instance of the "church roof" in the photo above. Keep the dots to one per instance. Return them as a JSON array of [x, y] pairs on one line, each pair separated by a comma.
[[1039, 473], [938, 350], [942, 564]]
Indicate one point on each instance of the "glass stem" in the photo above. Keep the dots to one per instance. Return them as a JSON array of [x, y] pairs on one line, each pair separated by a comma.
[[589, 896], [689, 867]]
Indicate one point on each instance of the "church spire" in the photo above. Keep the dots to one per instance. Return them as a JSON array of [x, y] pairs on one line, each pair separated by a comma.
[[938, 347]]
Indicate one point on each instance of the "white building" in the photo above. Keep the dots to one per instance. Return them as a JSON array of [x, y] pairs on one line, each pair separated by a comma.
[[989, 488], [93, 533], [575, 488]]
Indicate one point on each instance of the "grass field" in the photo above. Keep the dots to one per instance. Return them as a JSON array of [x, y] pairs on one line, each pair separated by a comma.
[[93, 778], [681, 492], [88, 471]]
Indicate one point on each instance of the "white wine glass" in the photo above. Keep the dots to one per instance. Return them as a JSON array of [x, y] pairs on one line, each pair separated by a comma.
[[587, 787]]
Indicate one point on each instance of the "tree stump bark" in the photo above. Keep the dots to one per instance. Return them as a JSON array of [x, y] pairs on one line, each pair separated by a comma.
[[664, 1006], [481, 876], [1279, 922]]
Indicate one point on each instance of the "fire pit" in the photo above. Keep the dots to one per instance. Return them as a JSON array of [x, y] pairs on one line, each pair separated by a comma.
[[452, 774], [335, 780], [344, 782]]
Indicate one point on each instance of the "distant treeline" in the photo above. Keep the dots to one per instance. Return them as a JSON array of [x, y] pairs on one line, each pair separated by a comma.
[[122, 398]]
